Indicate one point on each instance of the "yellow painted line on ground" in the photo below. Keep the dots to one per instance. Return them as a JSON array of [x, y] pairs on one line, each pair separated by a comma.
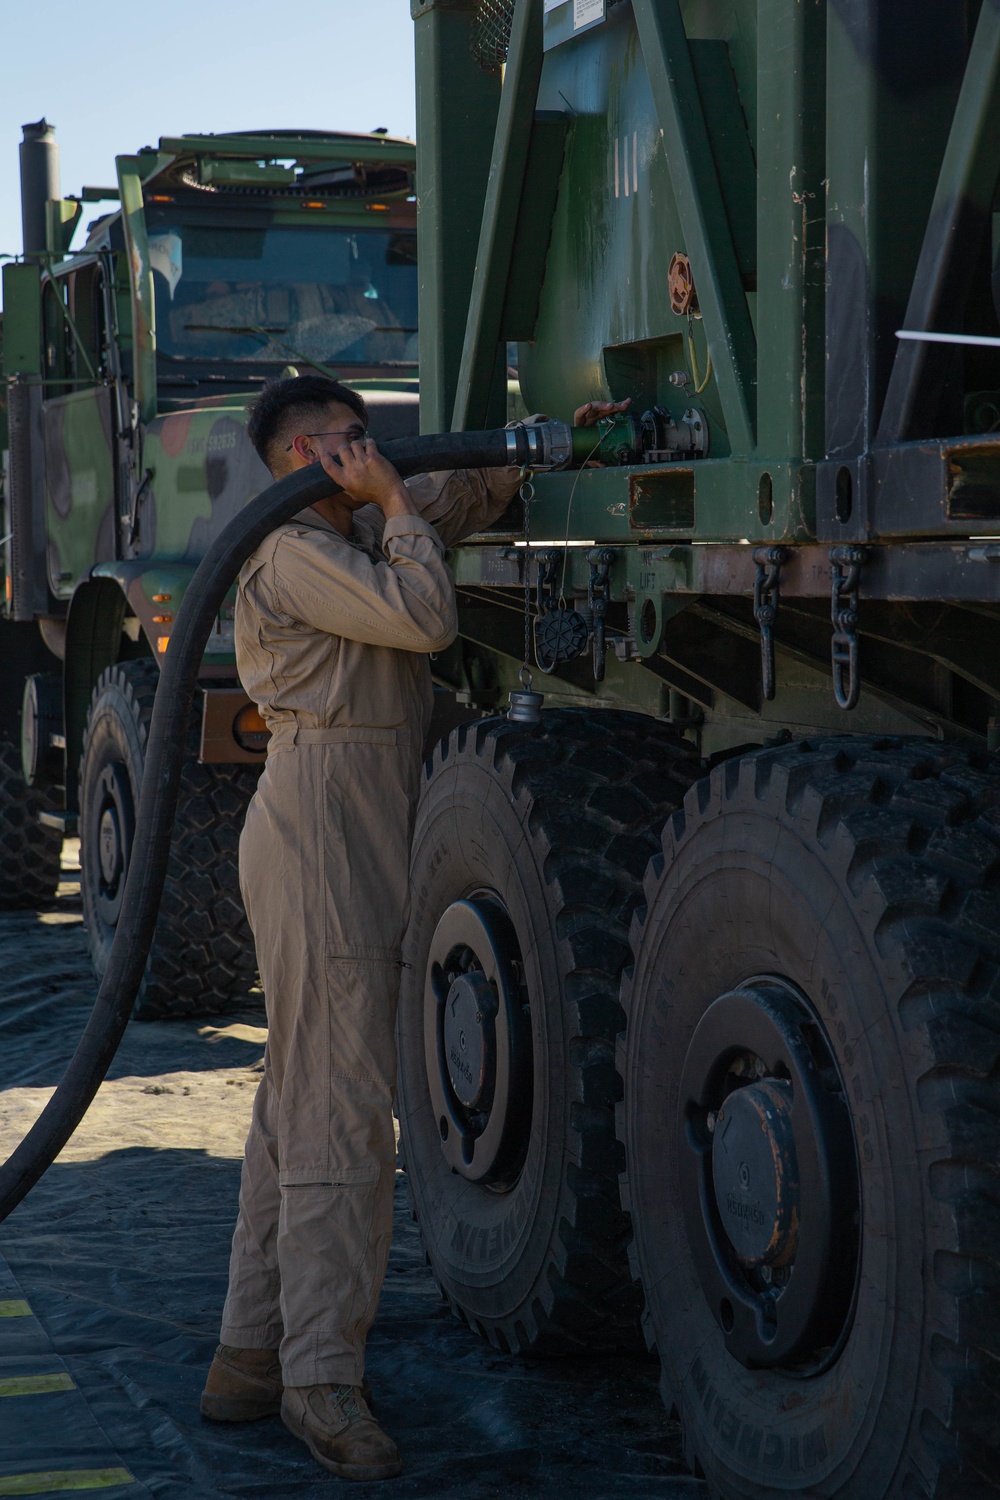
[[55, 1481], [36, 1385], [16, 1309]]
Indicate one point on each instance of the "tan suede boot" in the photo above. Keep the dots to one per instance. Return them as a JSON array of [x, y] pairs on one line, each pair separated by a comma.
[[340, 1432], [245, 1384], [242, 1385]]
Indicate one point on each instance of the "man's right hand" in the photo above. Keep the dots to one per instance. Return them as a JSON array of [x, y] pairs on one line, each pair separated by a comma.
[[361, 471]]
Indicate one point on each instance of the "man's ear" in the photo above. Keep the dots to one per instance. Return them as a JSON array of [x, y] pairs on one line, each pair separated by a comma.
[[302, 446]]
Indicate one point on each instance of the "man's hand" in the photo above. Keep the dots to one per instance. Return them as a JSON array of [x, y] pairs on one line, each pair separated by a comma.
[[591, 413], [361, 471]]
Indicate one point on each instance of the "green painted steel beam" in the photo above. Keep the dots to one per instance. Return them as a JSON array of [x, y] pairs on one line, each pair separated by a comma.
[[533, 236], [303, 148], [791, 270], [477, 372], [22, 319], [966, 187], [457, 103], [132, 171], [700, 204]]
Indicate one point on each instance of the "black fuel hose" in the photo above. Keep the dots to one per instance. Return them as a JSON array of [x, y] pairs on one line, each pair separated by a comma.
[[195, 620]]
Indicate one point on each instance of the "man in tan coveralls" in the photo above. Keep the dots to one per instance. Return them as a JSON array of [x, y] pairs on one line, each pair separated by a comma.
[[335, 615]]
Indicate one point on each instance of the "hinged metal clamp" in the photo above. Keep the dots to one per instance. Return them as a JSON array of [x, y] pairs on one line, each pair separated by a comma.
[[598, 599], [845, 572], [766, 598]]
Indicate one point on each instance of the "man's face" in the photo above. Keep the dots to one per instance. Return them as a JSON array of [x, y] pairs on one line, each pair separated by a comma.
[[338, 427]]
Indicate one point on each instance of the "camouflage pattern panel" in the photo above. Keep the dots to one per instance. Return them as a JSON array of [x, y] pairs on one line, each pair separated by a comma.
[[202, 471], [154, 594], [79, 486]]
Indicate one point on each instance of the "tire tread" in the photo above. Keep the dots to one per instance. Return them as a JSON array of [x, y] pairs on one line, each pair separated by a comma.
[[917, 828], [581, 778]]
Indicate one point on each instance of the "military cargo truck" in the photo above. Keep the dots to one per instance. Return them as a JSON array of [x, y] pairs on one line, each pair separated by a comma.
[[127, 365], [700, 1021]]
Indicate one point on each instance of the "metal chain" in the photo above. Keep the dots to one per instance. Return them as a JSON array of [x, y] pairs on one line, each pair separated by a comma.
[[845, 573], [766, 598]]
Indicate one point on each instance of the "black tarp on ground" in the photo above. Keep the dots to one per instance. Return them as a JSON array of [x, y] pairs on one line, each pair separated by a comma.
[[122, 1249]]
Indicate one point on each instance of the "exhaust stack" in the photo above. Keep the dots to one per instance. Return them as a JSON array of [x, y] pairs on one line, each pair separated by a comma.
[[39, 153]]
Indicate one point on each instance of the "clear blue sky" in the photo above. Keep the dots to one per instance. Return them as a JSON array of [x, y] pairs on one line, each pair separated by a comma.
[[112, 79]]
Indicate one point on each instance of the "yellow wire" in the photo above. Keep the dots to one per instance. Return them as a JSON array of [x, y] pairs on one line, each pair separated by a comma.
[[700, 386]]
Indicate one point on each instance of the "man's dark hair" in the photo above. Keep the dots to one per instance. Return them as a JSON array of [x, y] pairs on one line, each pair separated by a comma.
[[285, 405]]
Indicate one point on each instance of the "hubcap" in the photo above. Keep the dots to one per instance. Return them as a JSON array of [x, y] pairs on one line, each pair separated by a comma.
[[769, 1179], [114, 825], [477, 1041], [470, 1038], [755, 1173], [109, 845]]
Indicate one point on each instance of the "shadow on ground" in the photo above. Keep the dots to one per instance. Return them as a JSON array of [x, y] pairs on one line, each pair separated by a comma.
[[122, 1249], [124, 1262]]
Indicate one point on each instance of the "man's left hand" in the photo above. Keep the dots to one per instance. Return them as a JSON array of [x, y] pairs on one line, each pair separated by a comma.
[[362, 472], [591, 412]]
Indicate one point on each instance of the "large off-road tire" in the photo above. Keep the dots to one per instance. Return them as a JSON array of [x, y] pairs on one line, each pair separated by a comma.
[[29, 852], [811, 1118], [202, 958], [527, 860]]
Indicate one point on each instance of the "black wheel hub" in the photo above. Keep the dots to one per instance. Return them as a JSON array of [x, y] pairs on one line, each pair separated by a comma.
[[477, 1041], [114, 826], [770, 1180], [755, 1173], [470, 1038]]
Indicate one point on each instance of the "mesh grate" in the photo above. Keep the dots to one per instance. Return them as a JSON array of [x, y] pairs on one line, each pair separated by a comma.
[[491, 36]]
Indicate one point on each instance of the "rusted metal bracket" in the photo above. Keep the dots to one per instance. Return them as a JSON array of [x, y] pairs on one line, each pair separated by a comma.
[[845, 572], [766, 598]]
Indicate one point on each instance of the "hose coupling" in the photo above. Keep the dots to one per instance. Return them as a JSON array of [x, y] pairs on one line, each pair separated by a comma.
[[540, 445]]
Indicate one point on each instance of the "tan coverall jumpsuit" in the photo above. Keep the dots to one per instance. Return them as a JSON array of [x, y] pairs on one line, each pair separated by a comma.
[[331, 642]]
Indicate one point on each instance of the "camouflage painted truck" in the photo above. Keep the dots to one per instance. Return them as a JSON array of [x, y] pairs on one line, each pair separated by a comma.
[[127, 365], [700, 1023]]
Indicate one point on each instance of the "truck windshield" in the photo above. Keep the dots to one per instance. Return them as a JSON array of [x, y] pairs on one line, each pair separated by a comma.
[[270, 293]]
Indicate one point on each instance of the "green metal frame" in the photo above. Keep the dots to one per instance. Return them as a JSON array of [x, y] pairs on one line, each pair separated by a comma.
[[709, 242], [872, 185], [457, 105], [966, 188], [132, 172], [478, 371]]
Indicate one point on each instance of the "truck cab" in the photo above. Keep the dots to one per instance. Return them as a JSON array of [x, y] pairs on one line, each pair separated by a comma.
[[128, 362]]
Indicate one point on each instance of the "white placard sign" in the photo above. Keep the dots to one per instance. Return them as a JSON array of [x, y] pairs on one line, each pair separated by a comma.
[[552, 5], [587, 11]]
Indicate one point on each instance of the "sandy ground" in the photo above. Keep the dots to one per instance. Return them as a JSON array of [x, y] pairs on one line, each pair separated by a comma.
[[122, 1249]]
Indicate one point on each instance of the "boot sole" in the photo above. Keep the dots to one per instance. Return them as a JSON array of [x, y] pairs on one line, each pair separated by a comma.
[[238, 1408], [343, 1471]]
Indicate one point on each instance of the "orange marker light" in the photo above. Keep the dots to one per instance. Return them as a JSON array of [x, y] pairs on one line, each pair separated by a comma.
[[311, 203], [249, 730], [163, 619], [162, 642], [377, 208], [162, 598]]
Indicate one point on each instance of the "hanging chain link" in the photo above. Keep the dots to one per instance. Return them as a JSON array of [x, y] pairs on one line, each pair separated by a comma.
[[766, 598], [845, 573], [598, 599]]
